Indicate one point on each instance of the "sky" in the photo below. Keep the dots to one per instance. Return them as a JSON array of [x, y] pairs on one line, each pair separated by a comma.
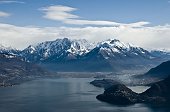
[[145, 23]]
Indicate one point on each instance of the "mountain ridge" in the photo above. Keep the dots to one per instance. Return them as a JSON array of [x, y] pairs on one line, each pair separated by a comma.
[[80, 55]]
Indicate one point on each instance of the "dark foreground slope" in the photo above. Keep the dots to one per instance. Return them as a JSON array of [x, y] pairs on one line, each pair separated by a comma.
[[14, 70], [161, 71], [159, 90], [158, 93]]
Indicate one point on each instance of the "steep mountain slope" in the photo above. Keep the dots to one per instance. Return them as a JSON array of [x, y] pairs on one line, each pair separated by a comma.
[[14, 70], [58, 50], [161, 71], [120, 56], [114, 49]]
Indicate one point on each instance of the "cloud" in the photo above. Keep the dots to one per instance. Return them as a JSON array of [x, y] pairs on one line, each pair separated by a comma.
[[59, 12], [156, 37], [4, 14], [10, 1], [63, 14]]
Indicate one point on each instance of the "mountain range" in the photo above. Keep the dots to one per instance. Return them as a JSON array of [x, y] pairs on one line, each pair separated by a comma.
[[80, 55]]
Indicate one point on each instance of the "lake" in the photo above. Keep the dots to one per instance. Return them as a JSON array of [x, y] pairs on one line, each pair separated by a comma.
[[61, 95]]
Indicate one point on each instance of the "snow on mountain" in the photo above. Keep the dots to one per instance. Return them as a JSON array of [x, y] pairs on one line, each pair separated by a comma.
[[66, 49], [58, 48], [80, 47], [73, 49], [8, 50], [71, 54], [113, 44], [3, 48], [112, 48]]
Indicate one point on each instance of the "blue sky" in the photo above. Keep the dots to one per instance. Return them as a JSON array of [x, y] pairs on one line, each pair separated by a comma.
[[145, 23], [157, 12]]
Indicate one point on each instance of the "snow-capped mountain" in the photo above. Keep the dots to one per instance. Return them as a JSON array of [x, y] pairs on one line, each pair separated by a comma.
[[8, 50], [80, 47], [112, 55], [76, 49], [57, 50], [4, 49], [115, 48], [67, 49], [80, 55]]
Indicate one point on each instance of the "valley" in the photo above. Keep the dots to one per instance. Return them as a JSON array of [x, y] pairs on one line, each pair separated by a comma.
[[84, 56]]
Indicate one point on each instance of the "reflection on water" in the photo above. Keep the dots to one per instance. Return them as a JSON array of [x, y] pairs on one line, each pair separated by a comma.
[[61, 95]]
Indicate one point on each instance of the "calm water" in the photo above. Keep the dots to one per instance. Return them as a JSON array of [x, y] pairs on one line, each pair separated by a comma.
[[60, 95]]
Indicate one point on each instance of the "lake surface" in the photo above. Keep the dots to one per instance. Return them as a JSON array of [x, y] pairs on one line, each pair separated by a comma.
[[61, 95]]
